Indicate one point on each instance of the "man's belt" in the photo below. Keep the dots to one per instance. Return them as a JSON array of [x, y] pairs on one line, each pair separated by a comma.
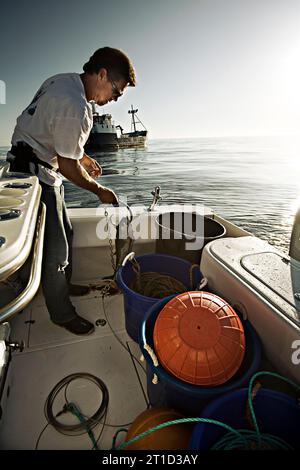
[[24, 155]]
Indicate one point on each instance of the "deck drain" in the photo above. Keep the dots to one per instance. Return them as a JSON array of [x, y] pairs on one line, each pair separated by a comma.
[[100, 322]]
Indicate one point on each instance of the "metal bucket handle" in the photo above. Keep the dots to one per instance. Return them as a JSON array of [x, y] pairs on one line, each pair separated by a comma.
[[128, 257]]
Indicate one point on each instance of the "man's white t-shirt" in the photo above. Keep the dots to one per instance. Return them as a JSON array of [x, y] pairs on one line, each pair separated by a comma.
[[58, 121]]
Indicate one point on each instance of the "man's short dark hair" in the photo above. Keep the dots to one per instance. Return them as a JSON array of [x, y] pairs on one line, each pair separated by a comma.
[[116, 62]]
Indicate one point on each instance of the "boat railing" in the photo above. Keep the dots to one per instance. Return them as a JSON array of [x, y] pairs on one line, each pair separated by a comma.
[[23, 299]]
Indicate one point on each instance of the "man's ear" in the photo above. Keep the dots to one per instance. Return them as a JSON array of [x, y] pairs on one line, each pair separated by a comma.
[[102, 74]]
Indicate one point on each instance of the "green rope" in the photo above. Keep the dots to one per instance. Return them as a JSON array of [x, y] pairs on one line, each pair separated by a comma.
[[266, 442], [177, 421], [235, 439], [76, 412], [250, 400]]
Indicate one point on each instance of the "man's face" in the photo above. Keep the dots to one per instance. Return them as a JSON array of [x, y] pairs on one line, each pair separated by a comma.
[[108, 89]]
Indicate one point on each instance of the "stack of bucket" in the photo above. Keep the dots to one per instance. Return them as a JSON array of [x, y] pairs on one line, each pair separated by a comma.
[[203, 348]]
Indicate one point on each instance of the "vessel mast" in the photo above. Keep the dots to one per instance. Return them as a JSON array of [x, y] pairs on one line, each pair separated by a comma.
[[133, 112]]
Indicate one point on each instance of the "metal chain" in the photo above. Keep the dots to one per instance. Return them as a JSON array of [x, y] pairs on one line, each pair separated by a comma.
[[112, 253], [105, 290]]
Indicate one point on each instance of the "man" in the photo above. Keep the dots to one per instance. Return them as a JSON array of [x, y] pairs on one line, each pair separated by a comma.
[[50, 136]]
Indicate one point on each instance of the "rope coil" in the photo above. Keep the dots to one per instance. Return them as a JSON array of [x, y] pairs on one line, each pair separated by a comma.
[[88, 423], [158, 285]]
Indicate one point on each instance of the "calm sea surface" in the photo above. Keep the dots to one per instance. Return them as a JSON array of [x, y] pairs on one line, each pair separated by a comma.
[[254, 182]]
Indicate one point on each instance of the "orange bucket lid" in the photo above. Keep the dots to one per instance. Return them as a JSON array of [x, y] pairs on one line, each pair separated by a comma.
[[172, 437], [199, 338]]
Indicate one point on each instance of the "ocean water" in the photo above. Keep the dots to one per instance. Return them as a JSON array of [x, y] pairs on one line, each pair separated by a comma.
[[252, 181]]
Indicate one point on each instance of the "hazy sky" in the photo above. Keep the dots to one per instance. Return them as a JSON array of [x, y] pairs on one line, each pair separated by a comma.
[[204, 67]]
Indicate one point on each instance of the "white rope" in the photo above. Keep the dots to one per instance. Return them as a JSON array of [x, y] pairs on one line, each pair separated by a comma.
[[155, 379], [151, 354], [202, 283]]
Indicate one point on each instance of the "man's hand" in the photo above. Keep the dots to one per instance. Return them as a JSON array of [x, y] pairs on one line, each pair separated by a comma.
[[74, 171], [107, 196], [91, 166]]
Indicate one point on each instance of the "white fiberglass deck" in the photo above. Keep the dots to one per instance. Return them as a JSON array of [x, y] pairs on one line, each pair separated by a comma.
[[50, 354]]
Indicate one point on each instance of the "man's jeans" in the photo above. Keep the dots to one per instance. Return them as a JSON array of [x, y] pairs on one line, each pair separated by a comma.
[[57, 253], [57, 256]]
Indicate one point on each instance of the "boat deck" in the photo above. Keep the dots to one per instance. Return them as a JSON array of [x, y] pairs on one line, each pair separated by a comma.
[[52, 353]]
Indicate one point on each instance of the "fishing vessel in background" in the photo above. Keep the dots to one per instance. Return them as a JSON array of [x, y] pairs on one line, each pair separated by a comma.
[[135, 138], [103, 136]]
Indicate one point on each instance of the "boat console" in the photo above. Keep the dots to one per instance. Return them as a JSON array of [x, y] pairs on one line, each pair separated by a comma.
[[22, 224]]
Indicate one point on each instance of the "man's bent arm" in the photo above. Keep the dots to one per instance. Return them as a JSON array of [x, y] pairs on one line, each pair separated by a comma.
[[74, 171]]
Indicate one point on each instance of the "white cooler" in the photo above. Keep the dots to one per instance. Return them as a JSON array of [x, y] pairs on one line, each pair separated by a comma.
[[264, 286]]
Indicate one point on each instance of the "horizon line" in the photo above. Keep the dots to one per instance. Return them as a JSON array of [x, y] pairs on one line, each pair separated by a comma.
[[220, 136]]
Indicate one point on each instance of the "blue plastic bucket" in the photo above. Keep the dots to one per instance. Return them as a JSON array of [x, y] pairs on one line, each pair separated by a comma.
[[276, 413], [136, 305], [188, 398]]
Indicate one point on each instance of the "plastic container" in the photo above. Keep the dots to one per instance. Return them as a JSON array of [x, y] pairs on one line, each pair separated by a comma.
[[136, 305], [199, 339], [277, 414], [170, 438], [184, 234], [188, 398]]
